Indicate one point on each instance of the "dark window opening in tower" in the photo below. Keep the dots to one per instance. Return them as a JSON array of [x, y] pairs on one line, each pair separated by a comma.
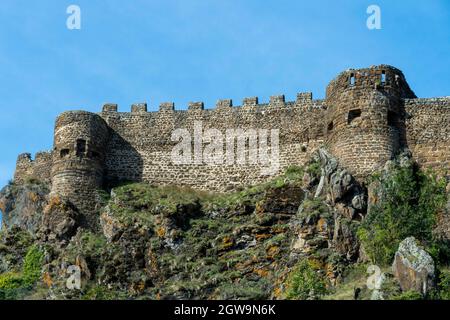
[[383, 77], [64, 153], [392, 119], [352, 79], [93, 155], [353, 114], [330, 126], [81, 147]]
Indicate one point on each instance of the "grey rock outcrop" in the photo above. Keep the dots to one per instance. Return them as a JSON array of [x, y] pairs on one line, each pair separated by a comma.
[[413, 267], [328, 218], [338, 186]]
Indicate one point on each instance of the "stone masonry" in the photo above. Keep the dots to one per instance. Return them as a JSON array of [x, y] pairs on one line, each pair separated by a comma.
[[367, 117]]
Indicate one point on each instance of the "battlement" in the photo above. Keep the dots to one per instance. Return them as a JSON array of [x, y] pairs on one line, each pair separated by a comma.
[[110, 107], [39, 157], [24, 157], [196, 106], [139, 107], [38, 168], [277, 100], [304, 99], [224, 104]]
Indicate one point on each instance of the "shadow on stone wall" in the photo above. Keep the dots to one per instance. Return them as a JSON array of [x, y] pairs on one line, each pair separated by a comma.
[[400, 125], [123, 163]]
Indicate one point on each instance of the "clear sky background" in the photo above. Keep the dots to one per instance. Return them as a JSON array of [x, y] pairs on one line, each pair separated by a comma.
[[198, 50]]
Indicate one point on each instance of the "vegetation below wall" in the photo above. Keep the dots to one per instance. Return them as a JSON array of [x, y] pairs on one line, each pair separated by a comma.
[[308, 234]]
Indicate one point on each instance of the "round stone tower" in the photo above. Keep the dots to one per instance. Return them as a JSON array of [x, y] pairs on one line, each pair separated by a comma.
[[365, 124], [79, 151]]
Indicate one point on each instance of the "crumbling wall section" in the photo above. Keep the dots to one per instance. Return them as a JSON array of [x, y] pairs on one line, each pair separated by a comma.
[[37, 169]]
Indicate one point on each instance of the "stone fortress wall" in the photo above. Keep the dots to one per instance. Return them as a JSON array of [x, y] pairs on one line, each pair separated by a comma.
[[140, 145], [368, 115], [428, 132]]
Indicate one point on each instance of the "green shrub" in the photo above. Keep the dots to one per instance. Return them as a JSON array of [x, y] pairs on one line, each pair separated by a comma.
[[89, 244], [99, 292], [408, 295], [244, 289], [32, 265], [141, 196], [409, 201], [314, 169], [313, 209], [14, 285], [444, 285], [10, 280], [305, 283], [11, 284], [294, 171], [439, 249]]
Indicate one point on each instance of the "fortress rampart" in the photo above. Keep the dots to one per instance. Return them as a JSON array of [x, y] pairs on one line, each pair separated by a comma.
[[39, 168], [368, 115]]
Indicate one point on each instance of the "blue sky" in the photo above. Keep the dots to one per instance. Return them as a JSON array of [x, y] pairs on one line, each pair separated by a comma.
[[198, 50]]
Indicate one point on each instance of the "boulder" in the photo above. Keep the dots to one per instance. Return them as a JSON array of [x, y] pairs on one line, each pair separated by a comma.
[[337, 185], [345, 240], [111, 227], [413, 267], [22, 205], [60, 219]]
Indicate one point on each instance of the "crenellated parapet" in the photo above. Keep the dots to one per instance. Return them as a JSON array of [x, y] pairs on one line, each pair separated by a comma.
[[224, 104], [38, 168], [139, 107], [303, 99], [302, 117], [110, 107]]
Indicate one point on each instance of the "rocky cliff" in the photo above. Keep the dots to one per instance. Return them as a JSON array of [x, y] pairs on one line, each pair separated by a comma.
[[307, 234]]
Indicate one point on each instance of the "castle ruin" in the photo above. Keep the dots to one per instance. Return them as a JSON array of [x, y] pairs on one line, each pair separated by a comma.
[[367, 116]]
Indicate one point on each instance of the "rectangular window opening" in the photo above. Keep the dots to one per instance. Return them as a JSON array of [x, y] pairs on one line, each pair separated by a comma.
[[352, 79], [81, 147], [353, 114], [383, 77], [64, 153], [330, 126]]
